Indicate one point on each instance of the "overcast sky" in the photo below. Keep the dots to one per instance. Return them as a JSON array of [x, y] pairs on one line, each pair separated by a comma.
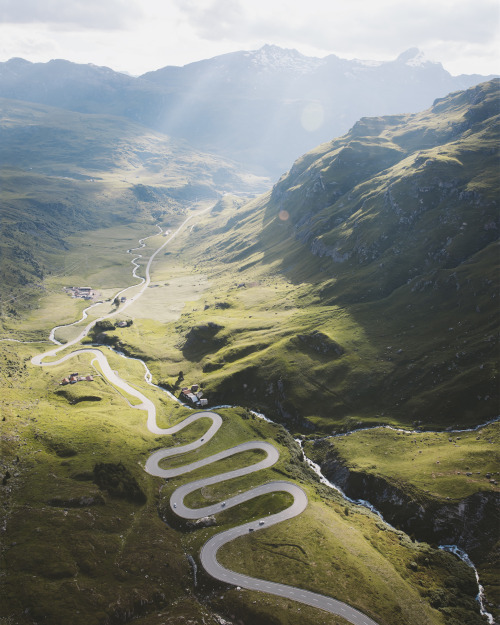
[[142, 35]]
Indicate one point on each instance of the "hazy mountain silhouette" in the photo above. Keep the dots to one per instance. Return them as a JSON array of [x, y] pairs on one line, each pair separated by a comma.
[[264, 107]]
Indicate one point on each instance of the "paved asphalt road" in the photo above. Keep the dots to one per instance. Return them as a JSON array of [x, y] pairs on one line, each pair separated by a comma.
[[210, 548]]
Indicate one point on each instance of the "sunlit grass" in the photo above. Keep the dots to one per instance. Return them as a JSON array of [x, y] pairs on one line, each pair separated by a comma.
[[442, 464]]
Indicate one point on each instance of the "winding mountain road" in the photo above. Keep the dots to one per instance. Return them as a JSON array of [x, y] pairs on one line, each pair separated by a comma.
[[209, 550]]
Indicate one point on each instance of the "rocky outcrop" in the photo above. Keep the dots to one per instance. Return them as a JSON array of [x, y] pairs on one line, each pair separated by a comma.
[[206, 521], [471, 524], [318, 248]]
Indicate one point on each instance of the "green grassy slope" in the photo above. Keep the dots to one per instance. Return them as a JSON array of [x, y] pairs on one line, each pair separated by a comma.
[[77, 145], [262, 319], [440, 487], [362, 288], [89, 537], [426, 461], [63, 173]]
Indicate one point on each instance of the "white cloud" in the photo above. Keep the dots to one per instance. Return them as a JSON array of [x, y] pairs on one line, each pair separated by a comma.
[[27, 44], [358, 28], [213, 20], [327, 24], [94, 14], [141, 35]]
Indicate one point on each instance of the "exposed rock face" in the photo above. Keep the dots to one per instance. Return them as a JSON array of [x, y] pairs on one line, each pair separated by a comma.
[[472, 523], [318, 248], [206, 521]]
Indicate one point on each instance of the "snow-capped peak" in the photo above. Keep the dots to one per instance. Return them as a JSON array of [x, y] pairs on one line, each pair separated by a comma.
[[273, 57], [413, 58], [368, 63]]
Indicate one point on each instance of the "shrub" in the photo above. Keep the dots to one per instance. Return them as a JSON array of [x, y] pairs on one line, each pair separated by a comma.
[[118, 482]]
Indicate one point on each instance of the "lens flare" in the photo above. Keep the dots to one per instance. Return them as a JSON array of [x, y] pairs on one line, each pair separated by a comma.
[[312, 116], [283, 215]]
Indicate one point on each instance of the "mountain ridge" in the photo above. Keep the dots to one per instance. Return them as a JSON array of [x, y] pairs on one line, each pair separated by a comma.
[[264, 107], [385, 241], [273, 56], [360, 290]]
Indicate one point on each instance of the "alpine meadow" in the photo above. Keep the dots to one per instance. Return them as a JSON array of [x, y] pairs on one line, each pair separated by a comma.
[[236, 396]]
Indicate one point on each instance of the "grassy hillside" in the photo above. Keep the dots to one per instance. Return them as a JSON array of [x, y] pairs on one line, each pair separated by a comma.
[[362, 288], [294, 304], [89, 537], [63, 173], [429, 462], [83, 146], [440, 487]]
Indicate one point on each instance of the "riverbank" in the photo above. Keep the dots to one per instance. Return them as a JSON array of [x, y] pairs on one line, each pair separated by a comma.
[[441, 488]]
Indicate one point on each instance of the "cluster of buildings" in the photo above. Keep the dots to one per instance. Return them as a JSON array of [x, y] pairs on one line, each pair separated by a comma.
[[85, 292], [73, 378], [194, 395]]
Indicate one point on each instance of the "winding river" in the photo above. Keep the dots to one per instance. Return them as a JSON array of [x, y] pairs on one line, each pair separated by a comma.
[[208, 555]]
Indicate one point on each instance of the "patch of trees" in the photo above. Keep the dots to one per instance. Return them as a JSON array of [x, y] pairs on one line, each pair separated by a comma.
[[117, 480], [98, 333], [105, 325]]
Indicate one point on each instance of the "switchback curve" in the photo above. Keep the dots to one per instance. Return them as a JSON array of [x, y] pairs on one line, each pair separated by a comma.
[[209, 550]]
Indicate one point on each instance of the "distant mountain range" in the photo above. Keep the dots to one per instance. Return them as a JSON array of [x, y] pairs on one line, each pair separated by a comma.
[[264, 108]]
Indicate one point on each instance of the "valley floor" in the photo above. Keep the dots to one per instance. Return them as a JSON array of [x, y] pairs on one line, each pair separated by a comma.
[[89, 537]]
